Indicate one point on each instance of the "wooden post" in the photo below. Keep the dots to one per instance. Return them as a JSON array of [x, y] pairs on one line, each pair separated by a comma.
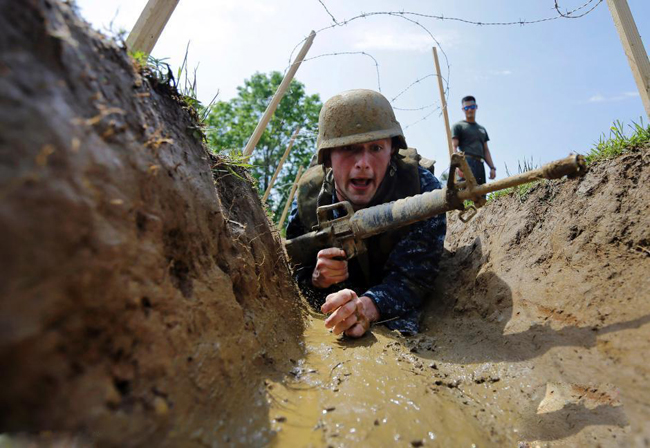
[[147, 29], [633, 47], [287, 206], [257, 133], [444, 103], [282, 160]]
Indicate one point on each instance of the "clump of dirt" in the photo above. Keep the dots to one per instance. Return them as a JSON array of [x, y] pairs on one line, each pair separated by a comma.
[[143, 296], [543, 310]]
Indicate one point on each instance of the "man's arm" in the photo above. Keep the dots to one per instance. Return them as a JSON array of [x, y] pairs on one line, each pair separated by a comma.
[[411, 268], [456, 131], [490, 162], [304, 275]]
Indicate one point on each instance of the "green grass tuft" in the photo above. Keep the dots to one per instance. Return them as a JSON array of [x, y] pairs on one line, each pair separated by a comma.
[[617, 143]]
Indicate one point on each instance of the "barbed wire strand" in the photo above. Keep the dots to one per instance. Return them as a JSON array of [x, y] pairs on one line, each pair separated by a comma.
[[380, 13], [342, 53], [328, 12], [414, 109], [402, 14], [417, 81], [568, 14], [423, 118]]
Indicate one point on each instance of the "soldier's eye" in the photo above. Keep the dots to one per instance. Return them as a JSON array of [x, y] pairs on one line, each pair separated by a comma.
[[377, 148]]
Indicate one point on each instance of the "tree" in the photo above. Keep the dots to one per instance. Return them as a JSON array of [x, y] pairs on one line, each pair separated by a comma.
[[231, 123]]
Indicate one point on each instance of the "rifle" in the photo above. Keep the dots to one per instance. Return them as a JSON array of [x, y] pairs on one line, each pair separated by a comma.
[[349, 230]]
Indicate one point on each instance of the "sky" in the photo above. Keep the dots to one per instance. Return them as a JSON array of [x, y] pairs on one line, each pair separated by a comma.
[[544, 90]]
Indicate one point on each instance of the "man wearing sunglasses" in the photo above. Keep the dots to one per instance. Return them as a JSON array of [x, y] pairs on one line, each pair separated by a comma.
[[471, 138]]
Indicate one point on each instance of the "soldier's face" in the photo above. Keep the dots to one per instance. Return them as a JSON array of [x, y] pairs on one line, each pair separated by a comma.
[[359, 169]]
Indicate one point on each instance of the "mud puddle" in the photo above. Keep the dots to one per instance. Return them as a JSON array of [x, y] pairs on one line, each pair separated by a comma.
[[373, 390]]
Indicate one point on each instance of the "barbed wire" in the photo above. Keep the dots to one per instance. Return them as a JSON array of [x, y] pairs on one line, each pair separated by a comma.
[[567, 15], [407, 15], [423, 118], [399, 15], [417, 81], [342, 53], [414, 109], [328, 11]]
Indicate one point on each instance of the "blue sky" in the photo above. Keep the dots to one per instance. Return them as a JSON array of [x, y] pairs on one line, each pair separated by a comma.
[[544, 90]]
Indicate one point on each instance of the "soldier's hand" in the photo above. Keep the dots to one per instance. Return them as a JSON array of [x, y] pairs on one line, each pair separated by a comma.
[[493, 173], [349, 313], [331, 268]]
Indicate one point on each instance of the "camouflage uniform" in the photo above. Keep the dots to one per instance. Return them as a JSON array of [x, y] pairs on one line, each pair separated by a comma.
[[398, 282]]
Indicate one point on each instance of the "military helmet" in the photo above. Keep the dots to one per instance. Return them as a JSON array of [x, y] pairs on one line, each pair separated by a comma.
[[356, 116]]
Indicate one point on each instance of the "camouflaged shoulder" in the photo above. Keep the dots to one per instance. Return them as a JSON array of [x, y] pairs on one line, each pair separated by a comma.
[[412, 154], [309, 187]]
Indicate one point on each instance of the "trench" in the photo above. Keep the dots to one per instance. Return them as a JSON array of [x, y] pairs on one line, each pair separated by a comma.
[[144, 299]]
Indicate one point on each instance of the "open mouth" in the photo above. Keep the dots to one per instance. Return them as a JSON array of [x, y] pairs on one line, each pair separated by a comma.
[[360, 183]]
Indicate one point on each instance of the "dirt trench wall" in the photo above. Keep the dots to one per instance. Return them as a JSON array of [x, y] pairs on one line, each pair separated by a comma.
[[543, 312], [137, 301]]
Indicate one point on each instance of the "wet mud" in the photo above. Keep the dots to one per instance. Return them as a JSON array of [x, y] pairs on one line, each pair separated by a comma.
[[374, 391]]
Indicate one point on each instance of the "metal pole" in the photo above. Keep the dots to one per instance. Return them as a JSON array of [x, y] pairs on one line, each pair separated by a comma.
[[257, 133], [443, 101], [633, 47], [282, 160], [152, 21], [287, 206]]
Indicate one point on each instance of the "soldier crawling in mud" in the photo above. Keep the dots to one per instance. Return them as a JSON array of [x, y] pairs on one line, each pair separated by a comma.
[[363, 159]]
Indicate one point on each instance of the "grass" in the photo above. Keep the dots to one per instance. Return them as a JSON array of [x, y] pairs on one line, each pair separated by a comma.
[[617, 143], [607, 147], [184, 87]]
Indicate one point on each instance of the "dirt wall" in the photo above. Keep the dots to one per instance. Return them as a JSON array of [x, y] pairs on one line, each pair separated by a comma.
[[143, 300], [542, 310]]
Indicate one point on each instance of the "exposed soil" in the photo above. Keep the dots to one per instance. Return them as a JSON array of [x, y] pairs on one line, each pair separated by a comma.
[[145, 300], [139, 298], [549, 295]]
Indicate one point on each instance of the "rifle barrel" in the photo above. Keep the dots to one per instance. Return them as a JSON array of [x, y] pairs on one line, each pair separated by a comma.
[[385, 217], [564, 167]]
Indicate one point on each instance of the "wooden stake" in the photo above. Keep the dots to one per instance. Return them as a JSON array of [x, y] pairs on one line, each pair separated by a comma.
[[287, 206], [282, 160], [152, 21], [261, 126], [444, 102], [633, 47]]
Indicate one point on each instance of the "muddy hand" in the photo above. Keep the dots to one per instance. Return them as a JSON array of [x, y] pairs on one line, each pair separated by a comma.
[[331, 268], [348, 313]]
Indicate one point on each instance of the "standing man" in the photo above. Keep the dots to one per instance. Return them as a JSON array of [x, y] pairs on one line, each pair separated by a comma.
[[471, 138], [363, 159]]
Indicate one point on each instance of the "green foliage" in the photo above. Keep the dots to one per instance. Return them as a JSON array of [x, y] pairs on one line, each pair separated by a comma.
[[617, 142], [139, 57], [231, 123], [606, 148], [520, 190], [184, 90]]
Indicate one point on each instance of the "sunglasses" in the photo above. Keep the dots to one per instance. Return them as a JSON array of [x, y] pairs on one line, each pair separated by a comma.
[[472, 107]]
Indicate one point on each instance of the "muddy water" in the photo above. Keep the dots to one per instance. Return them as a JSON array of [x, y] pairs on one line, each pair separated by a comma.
[[366, 391]]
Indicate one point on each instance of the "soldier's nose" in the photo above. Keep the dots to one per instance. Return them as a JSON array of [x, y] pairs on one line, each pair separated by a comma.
[[362, 160]]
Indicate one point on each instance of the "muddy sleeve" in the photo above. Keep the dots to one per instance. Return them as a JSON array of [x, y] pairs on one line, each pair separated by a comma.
[[315, 296], [411, 269]]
